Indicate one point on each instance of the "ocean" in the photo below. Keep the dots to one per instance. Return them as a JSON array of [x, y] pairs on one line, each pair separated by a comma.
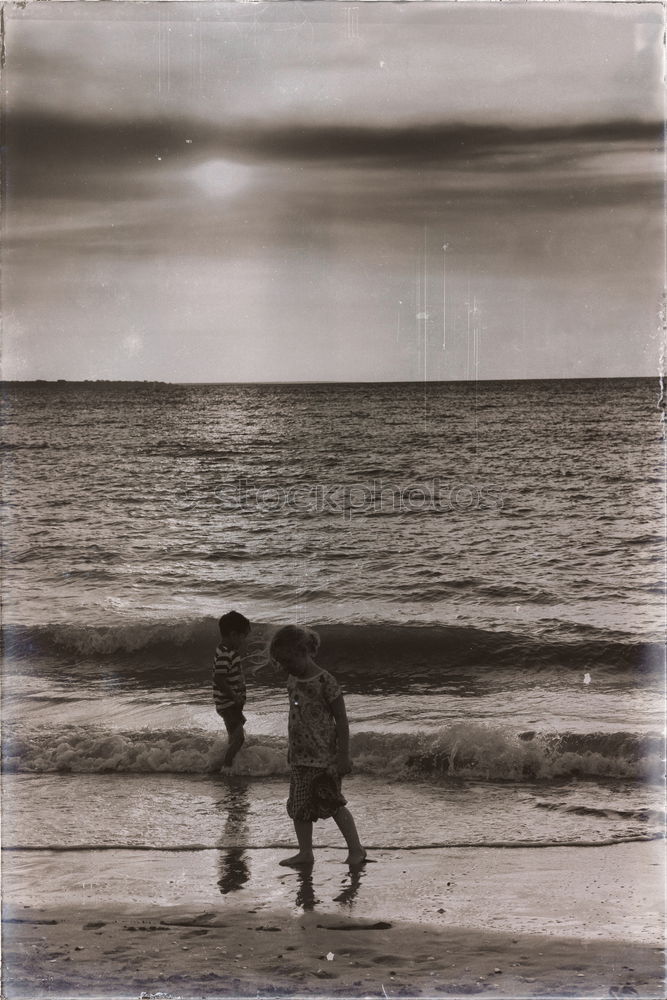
[[484, 564]]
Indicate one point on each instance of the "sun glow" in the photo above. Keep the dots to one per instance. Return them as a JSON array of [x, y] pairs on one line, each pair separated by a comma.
[[222, 178]]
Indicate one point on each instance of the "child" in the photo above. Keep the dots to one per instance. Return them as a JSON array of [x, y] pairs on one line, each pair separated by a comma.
[[318, 745], [228, 680]]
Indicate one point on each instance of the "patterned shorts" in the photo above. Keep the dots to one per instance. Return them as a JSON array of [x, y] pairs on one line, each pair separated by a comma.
[[314, 794]]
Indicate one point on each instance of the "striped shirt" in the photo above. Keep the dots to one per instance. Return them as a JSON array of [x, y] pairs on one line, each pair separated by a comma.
[[227, 669]]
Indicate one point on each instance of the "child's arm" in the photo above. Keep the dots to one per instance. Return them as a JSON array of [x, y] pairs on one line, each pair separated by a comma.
[[343, 735]]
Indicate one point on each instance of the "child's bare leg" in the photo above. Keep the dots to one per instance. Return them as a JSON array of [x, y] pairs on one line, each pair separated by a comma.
[[345, 823], [304, 836], [236, 741]]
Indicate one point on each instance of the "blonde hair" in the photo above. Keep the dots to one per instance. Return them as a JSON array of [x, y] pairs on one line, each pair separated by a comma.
[[291, 636]]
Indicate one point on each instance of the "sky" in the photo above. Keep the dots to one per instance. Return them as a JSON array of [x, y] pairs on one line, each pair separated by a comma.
[[240, 192]]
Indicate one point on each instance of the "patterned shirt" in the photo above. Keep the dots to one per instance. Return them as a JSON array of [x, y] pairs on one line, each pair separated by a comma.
[[227, 668], [312, 727]]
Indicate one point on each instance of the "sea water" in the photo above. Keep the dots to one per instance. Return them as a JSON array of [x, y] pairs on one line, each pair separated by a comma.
[[484, 564]]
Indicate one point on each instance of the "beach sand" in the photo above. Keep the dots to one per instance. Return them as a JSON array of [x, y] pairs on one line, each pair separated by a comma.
[[576, 922]]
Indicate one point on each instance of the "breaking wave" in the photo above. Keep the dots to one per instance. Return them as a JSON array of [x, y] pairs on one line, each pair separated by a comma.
[[470, 751]]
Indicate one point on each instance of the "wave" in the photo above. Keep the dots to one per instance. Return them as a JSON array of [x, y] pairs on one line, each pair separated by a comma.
[[39, 553], [397, 652], [656, 540], [470, 751], [641, 815], [35, 446], [514, 593]]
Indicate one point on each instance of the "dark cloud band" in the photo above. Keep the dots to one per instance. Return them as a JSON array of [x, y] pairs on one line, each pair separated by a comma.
[[39, 137]]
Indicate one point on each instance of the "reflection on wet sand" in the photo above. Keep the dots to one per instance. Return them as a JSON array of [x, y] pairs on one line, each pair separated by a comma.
[[305, 898], [305, 893], [351, 884], [233, 867]]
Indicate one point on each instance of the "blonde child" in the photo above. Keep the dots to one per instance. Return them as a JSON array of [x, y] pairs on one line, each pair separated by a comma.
[[318, 745]]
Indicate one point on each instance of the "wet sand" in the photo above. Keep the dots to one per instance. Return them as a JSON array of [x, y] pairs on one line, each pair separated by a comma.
[[576, 922]]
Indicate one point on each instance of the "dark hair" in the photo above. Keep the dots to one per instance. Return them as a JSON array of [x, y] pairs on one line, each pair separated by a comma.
[[292, 635], [233, 621]]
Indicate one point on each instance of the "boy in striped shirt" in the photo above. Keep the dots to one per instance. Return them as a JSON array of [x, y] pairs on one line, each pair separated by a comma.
[[228, 681]]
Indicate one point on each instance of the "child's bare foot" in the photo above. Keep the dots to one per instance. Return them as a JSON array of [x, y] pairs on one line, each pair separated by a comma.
[[356, 858], [299, 860]]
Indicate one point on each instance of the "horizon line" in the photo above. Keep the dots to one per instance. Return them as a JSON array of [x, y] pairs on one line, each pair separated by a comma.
[[422, 382]]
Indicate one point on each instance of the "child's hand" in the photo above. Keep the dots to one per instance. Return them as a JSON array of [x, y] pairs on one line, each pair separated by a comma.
[[344, 765]]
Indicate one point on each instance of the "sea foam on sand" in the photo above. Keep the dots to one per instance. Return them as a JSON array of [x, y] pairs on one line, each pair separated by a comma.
[[583, 922]]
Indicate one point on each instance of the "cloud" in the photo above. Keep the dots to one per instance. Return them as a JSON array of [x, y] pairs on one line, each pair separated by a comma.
[[52, 156], [435, 143]]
